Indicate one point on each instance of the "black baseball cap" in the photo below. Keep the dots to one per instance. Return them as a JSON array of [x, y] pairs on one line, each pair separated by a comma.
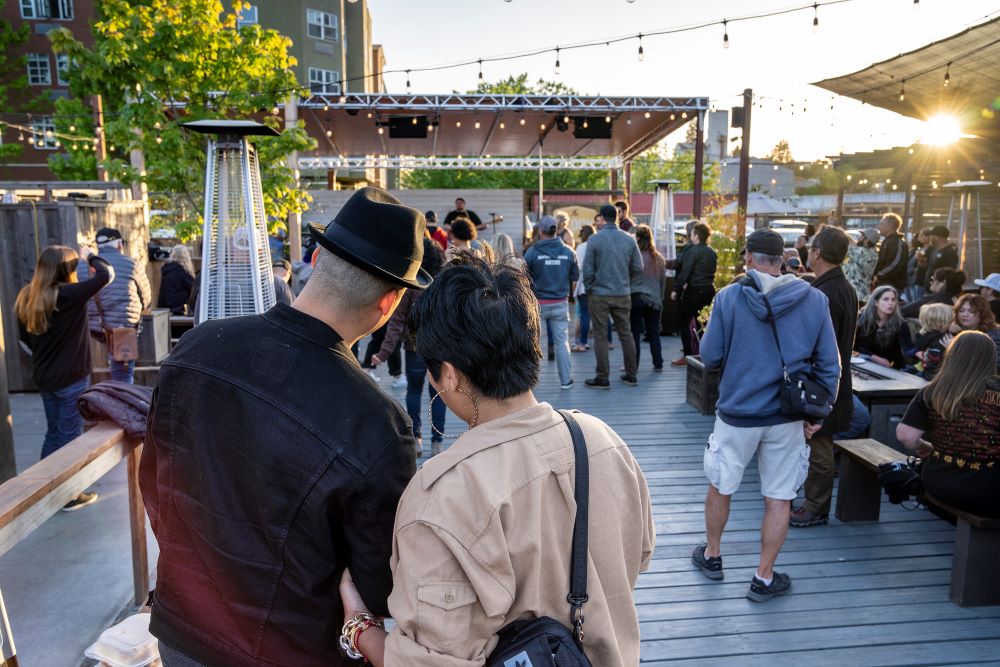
[[430, 216], [766, 241], [106, 235]]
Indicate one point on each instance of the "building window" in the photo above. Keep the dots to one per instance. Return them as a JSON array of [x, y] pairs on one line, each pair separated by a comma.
[[324, 81], [62, 66], [39, 70], [44, 138], [322, 25], [247, 17], [47, 9]]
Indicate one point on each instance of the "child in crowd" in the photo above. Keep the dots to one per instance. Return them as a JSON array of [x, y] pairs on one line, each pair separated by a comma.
[[933, 338]]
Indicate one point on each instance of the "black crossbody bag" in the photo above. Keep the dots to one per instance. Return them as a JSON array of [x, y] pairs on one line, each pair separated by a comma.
[[802, 397], [545, 642]]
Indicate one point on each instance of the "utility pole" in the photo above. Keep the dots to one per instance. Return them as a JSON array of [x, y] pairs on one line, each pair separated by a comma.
[[294, 219], [699, 163], [102, 144], [745, 158]]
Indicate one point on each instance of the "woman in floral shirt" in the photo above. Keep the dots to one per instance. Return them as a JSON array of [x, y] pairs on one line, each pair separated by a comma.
[[860, 263]]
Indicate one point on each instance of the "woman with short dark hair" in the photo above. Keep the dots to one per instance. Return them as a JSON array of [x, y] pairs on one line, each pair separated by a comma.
[[483, 532], [463, 234], [946, 286], [694, 286], [954, 424]]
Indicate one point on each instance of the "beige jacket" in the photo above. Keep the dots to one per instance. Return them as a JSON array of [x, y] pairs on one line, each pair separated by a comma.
[[483, 537]]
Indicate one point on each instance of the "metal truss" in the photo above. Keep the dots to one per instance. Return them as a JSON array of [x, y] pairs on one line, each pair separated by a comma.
[[459, 162], [498, 103]]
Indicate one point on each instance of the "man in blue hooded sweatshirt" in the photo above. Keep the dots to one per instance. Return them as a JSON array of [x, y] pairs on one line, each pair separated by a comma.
[[739, 340]]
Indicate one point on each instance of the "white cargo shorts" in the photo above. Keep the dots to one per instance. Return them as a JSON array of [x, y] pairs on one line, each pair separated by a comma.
[[783, 457]]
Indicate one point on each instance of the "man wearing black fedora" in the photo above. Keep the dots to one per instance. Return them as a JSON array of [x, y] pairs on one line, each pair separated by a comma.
[[272, 461]]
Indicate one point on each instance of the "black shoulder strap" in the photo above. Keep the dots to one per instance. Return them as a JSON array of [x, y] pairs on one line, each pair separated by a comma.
[[578, 565], [770, 320]]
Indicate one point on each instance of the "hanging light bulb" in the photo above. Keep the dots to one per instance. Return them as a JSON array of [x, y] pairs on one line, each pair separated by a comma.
[[275, 111], [607, 119], [585, 124], [902, 90], [20, 136], [646, 115], [815, 17], [522, 121], [407, 82], [916, 5], [111, 148], [642, 54], [542, 126], [159, 140], [72, 128], [329, 133], [947, 75], [326, 107], [503, 125], [381, 130], [673, 116], [414, 120], [684, 114], [725, 34], [480, 70], [477, 125], [557, 60], [458, 123], [156, 125]]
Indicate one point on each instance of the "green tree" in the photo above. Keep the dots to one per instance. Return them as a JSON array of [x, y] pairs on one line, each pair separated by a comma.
[[572, 179], [159, 63], [655, 164], [781, 153], [13, 77]]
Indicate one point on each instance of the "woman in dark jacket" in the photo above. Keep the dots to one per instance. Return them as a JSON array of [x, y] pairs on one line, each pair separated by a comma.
[[177, 279], [883, 335], [694, 286], [52, 322], [946, 286]]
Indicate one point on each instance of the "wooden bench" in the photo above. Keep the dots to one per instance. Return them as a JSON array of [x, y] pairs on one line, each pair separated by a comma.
[[975, 579]]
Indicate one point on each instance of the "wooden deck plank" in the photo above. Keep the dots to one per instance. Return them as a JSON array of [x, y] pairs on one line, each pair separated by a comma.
[[874, 593]]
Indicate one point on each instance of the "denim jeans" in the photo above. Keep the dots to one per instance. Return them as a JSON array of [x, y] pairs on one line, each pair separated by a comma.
[[416, 373], [556, 316], [584, 311], [861, 419], [62, 417], [171, 657], [122, 371], [646, 319]]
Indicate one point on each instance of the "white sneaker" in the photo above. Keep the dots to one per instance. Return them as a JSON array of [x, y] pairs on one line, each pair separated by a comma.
[[400, 381], [372, 375]]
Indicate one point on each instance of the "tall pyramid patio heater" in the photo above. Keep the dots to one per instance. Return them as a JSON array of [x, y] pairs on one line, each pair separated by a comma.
[[235, 260]]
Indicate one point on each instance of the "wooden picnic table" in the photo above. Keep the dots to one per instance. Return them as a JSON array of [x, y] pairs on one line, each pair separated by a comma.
[[886, 393]]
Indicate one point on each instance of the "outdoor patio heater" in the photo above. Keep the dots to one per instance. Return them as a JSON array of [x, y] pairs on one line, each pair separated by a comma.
[[662, 218], [235, 260], [965, 214]]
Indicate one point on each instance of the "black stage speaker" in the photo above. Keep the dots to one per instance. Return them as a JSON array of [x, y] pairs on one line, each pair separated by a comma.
[[597, 127], [408, 127], [736, 113]]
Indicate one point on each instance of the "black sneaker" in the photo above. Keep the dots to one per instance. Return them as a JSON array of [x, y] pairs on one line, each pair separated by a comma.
[[82, 500], [594, 383], [567, 385], [781, 583], [629, 380], [710, 567], [552, 354]]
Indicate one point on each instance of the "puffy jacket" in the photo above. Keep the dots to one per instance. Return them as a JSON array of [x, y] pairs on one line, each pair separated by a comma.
[[739, 340], [124, 299]]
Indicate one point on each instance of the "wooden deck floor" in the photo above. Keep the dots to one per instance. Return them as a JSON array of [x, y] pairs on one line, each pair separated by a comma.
[[861, 594]]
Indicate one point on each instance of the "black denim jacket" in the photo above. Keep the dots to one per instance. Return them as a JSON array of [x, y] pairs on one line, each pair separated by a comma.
[[271, 463]]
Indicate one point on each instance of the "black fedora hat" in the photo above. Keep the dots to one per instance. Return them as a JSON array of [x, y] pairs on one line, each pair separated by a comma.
[[377, 233]]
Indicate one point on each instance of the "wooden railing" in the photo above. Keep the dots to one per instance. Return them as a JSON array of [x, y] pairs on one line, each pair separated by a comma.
[[28, 500]]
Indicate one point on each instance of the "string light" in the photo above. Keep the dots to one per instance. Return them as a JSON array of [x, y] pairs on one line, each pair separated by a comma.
[[381, 130], [557, 60], [407, 82], [329, 133], [503, 126], [815, 17], [902, 90], [326, 107], [646, 115], [480, 70], [72, 128], [725, 34], [458, 123], [642, 55], [477, 125], [947, 75], [522, 121]]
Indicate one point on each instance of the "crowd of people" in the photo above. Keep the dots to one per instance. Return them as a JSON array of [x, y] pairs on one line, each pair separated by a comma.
[[276, 554]]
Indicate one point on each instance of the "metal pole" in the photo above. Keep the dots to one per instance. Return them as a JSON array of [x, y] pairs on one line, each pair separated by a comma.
[[699, 163], [907, 227], [628, 182], [294, 219], [541, 182], [744, 191], [250, 224], [205, 291]]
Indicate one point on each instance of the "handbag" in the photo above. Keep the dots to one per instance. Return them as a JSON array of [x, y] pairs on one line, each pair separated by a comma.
[[802, 397], [545, 642], [901, 479], [123, 342]]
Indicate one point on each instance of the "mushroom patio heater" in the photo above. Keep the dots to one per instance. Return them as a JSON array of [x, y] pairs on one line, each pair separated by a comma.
[[235, 261]]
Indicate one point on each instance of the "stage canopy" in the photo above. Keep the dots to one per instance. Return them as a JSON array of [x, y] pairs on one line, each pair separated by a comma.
[[914, 83], [488, 131]]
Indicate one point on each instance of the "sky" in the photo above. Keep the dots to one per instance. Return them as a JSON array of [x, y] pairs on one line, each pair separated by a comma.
[[778, 57]]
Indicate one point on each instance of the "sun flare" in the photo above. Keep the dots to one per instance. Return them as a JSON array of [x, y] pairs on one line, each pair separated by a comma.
[[941, 130]]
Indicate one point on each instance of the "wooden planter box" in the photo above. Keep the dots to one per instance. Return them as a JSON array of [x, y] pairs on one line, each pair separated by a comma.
[[702, 386]]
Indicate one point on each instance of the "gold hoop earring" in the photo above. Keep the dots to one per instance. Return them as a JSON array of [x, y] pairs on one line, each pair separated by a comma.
[[430, 413]]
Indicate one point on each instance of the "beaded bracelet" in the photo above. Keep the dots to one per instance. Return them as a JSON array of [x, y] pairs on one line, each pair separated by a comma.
[[352, 630]]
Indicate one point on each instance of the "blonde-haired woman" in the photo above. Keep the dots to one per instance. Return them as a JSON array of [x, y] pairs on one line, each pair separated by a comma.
[[176, 281], [503, 246], [954, 423], [52, 322]]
